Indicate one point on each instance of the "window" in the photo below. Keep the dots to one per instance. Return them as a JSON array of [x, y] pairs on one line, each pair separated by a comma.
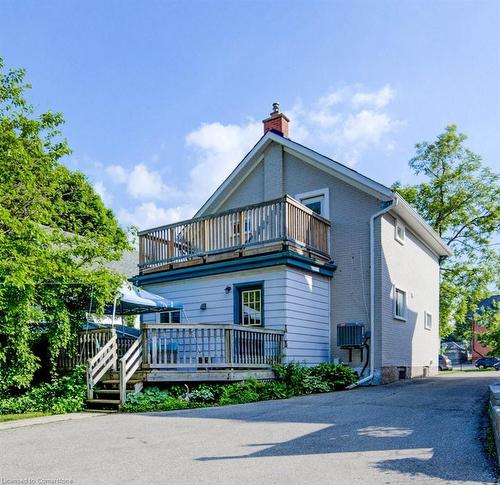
[[317, 201], [399, 232], [427, 321], [399, 304], [249, 304], [251, 307], [173, 316]]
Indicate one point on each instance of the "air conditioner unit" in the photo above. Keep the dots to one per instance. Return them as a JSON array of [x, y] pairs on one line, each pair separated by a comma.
[[350, 335]]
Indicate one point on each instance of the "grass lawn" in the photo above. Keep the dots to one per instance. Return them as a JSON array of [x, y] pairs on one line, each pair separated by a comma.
[[458, 371], [13, 417]]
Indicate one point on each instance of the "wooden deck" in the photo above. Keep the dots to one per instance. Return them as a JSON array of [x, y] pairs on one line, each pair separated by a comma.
[[177, 353], [235, 233]]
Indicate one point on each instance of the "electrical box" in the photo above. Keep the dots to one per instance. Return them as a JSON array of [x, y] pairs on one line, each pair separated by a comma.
[[350, 335]]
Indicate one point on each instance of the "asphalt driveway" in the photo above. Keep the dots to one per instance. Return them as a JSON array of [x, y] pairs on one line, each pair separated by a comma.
[[426, 431]]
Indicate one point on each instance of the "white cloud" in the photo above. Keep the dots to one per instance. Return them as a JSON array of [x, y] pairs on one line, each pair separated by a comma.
[[100, 188], [345, 122], [218, 149], [148, 215], [377, 99], [147, 184], [142, 183], [117, 173]]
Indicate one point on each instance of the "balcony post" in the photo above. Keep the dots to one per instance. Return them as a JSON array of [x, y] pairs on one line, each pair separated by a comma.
[[242, 228]]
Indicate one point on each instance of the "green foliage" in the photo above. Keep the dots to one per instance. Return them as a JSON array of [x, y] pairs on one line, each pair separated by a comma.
[[490, 320], [63, 395], [153, 399], [204, 394], [242, 392], [320, 378], [56, 237], [293, 380], [460, 200]]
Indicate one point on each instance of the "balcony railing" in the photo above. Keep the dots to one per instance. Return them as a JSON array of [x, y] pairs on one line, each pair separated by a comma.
[[282, 219]]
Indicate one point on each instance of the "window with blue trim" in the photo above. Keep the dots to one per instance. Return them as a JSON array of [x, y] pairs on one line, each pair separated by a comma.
[[249, 304]]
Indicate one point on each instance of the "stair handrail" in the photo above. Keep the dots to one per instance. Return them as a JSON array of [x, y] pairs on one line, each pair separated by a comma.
[[98, 365], [129, 364]]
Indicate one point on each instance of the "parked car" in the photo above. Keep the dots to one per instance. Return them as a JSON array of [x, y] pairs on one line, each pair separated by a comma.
[[485, 362], [497, 366], [445, 362]]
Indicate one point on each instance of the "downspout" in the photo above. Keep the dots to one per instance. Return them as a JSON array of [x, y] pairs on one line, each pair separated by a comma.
[[368, 378]]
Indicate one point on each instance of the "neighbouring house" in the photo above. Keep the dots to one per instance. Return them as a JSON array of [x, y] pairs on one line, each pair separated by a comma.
[[478, 349], [296, 257]]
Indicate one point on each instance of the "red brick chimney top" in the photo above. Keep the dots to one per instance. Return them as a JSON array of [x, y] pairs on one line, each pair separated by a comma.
[[277, 121]]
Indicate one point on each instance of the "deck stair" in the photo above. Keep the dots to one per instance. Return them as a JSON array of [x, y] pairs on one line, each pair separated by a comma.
[[109, 379], [106, 394]]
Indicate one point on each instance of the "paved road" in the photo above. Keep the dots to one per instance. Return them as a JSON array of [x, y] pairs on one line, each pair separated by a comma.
[[426, 431]]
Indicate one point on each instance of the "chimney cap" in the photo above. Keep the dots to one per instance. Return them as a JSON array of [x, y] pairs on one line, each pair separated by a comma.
[[276, 108]]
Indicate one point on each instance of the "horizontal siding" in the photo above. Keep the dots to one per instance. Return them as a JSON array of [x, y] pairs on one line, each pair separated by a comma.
[[193, 292], [297, 299], [307, 317]]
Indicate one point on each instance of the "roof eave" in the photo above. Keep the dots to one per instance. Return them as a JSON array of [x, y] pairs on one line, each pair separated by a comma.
[[403, 209]]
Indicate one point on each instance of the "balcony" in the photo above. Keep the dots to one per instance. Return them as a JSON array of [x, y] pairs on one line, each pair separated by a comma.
[[283, 223]]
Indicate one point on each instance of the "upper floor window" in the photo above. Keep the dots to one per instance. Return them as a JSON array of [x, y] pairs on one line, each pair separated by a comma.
[[173, 316], [399, 232], [427, 321], [400, 304], [316, 200]]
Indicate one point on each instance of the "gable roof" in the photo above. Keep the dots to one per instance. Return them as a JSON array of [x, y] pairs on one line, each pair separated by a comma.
[[254, 156], [314, 158]]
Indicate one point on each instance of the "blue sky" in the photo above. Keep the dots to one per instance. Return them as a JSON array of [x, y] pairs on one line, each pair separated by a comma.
[[162, 99]]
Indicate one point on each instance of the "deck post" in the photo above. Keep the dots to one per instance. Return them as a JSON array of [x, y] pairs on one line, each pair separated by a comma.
[[123, 381], [90, 385]]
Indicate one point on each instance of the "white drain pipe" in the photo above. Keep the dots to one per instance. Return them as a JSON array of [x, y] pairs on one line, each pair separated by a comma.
[[368, 378]]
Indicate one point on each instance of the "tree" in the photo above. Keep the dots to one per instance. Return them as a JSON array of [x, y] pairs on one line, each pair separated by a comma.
[[460, 200], [490, 320], [56, 236]]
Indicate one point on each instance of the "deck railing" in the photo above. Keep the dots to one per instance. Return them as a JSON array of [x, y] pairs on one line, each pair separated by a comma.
[[101, 363], [88, 345], [210, 346], [283, 219]]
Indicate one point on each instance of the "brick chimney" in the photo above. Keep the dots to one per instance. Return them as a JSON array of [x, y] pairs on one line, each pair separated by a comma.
[[277, 121]]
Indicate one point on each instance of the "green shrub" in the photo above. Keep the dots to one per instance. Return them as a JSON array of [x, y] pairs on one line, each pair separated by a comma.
[[312, 384], [153, 399], [242, 392], [321, 378], [64, 394], [203, 394], [293, 379], [274, 390], [292, 375], [338, 376]]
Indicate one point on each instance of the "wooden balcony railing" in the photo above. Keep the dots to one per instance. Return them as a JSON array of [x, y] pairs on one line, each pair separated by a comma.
[[210, 346], [283, 219]]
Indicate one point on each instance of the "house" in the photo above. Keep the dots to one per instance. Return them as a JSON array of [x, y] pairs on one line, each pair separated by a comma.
[[478, 349], [304, 259]]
